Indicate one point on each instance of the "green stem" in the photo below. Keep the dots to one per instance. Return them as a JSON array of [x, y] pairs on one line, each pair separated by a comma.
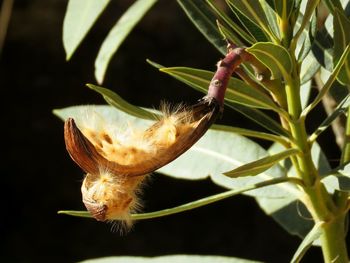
[[318, 201], [346, 148], [333, 241]]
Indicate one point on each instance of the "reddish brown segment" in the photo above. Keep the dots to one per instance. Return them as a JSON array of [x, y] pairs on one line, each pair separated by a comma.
[[86, 156]]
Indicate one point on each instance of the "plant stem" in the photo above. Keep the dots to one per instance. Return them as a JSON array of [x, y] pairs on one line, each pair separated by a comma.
[[318, 201], [333, 240]]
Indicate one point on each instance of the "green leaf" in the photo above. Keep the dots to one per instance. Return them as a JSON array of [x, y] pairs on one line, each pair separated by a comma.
[[309, 68], [233, 26], [305, 91], [284, 8], [169, 259], [237, 90], [313, 235], [340, 109], [288, 211], [202, 17], [322, 49], [117, 35], [254, 30], [115, 100], [333, 4], [260, 118], [253, 10], [329, 82], [189, 206], [274, 57], [341, 41], [254, 114], [271, 16], [79, 18], [261, 165], [309, 10]]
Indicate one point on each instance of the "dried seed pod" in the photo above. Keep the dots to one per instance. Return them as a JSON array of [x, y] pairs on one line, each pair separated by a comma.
[[117, 163]]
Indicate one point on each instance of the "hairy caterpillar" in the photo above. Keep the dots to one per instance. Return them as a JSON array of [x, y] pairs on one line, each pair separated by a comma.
[[117, 161]]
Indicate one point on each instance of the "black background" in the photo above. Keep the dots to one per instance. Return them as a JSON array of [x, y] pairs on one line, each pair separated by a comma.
[[38, 178]]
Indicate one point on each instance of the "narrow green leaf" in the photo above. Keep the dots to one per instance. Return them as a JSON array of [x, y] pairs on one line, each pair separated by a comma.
[[229, 35], [329, 82], [309, 67], [234, 26], [260, 118], [284, 8], [80, 17], [254, 30], [271, 16], [341, 25], [117, 35], [274, 57], [322, 48], [169, 259], [237, 90], [314, 234], [252, 133], [333, 4], [255, 13], [115, 100], [289, 211], [260, 165], [310, 9], [305, 91], [253, 114], [202, 17], [340, 109], [85, 214], [191, 205]]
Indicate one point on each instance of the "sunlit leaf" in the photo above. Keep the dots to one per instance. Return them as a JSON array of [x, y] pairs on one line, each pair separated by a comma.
[[271, 17], [233, 26], [305, 91], [117, 35], [288, 211], [284, 8], [80, 17], [309, 67], [340, 109], [341, 41], [115, 100], [254, 30], [237, 90], [170, 259], [314, 234], [253, 10], [274, 57], [261, 165], [254, 114], [329, 82], [202, 17]]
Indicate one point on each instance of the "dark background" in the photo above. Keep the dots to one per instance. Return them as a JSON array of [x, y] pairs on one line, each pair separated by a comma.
[[38, 178]]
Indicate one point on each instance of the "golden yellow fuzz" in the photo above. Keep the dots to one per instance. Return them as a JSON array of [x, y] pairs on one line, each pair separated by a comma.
[[117, 159]]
